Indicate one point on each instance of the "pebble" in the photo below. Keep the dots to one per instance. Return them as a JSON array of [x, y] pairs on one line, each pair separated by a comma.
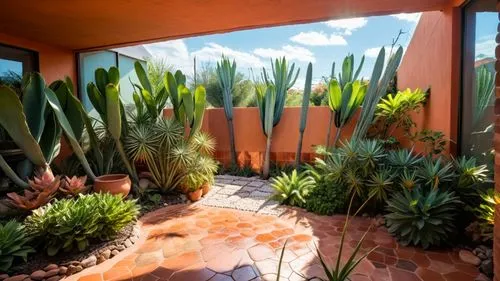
[[88, 262], [74, 269], [50, 267], [52, 272], [469, 257], [114, 253], [127, 243], [487, 267], [4, 276], [482, 256], [120, 247], [38, 275], [63, 270]]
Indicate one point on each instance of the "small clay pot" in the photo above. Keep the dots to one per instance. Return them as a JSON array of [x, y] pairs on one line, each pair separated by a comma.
[[206, 188], [114, 184], [195, 195]]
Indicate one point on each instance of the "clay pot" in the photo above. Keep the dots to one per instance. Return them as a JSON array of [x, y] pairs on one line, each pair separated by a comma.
[[195, 195], [206, 188], [114, 184]]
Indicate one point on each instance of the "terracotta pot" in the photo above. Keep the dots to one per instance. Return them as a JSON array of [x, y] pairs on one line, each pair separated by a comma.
[[195, 195], [114, 184], [206, 188]]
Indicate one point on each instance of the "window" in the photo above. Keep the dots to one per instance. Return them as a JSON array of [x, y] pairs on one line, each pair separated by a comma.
[[14, 62], [478, 80]]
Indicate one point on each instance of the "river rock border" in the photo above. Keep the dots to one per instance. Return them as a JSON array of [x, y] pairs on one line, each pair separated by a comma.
[[55, 272]]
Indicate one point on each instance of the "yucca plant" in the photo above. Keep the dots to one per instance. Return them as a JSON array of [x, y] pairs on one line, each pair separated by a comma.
[[73, 223], [485, 84], [377, 89], [14, 244], [226, 72], [203, 143], [163, 148], [292, 189], [403, 159], [381, 184], [303, 115], [346, 76], [433, 173], [371, 153], [422, 218], [339, 272]]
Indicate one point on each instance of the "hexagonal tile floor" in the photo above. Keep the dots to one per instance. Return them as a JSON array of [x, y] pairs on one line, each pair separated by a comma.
[[204, 243]]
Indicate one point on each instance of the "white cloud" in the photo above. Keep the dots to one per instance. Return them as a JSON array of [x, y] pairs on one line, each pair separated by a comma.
[[486, 48], [175, 52], [213, 51], [291, 52], [314, 38], [347, 26], [411, 17]]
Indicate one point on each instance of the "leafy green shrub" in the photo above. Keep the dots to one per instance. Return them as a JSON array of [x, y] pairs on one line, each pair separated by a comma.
[[326, 198], [291, 190], [238, 171], [422, 218], [69, 223], [13, 244]]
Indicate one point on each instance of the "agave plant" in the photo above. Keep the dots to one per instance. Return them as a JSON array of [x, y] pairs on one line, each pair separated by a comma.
[[13, 244], [469, 172], [426, 219], [74, 185], [485, 85], [435, 172], [226, 72], [486, 213], [408, 179], [291, 190]]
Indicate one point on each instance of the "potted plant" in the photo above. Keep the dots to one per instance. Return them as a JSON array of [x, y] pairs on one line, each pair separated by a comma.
[[208, 167], [194, 182]]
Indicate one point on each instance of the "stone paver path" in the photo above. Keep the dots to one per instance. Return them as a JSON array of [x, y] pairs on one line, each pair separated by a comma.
[[247, 194], [195, 242]]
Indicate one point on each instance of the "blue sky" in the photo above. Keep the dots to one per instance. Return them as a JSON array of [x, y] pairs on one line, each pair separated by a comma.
[[320, 43]]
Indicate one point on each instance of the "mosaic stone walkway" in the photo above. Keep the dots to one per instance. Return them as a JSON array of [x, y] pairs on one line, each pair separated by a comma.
[[195, 242]]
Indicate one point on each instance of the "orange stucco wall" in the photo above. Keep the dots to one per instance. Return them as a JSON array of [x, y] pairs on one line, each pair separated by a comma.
[[55, 63], [432, 59]]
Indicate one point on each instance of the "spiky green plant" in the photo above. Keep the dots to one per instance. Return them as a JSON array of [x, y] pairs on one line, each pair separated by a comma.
[[345, 77], [204, 143], [422, 218], [433, 173], [403, 159], [165, 151], [14, 244], [266, 100], [381, 184], [226, 72], [303, 115], [408, 179], [291, 190], [73, 223], [486, 213], [340, 272], [371, 153], [283, 79], [377, 89], [485, 83], [469, 172]]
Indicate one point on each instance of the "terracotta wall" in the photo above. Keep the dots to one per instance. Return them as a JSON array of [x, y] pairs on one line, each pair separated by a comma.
[[432, 59], [55, 63]]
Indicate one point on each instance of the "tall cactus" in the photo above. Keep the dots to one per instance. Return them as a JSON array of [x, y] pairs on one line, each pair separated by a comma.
[[283, 80], [347, 75], [226, 74], [303, 116], [266, 101], [376, 90]]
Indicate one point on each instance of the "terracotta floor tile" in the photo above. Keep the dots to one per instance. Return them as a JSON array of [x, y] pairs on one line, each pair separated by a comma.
[[203, 243]]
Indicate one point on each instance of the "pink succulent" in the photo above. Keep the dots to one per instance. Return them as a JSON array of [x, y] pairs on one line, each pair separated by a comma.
[[74, 185], [42, 180]]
